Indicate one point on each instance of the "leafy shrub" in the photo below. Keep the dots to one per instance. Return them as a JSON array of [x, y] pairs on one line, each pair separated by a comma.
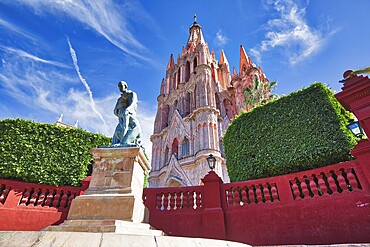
[[45, 153], [259, 93], [304, 130]]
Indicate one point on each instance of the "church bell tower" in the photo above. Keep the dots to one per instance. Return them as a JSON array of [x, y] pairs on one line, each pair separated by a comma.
[[198, 99]]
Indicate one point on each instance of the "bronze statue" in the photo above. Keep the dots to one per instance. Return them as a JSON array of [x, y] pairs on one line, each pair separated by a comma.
[[128, 131]]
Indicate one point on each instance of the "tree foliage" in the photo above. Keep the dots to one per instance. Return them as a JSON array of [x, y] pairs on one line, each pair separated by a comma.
[[45, 153], [259, 93], [304, 130]]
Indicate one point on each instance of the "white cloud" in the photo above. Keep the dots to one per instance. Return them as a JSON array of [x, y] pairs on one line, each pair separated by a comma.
[[291, 32], [220, 39], [25, 54], [15, 29], [107, 18], [27, 81], [257, 54], [146, 115]]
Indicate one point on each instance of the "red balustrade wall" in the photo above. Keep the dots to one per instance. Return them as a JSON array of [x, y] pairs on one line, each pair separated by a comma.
[[176, 209], [322, 206], [32, 207]]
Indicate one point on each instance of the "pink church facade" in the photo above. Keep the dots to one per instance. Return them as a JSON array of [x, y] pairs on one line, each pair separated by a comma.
[[197, 101]]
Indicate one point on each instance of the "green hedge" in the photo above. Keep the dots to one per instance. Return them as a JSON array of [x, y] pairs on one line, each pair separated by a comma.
[[304, 130], [45, 153]]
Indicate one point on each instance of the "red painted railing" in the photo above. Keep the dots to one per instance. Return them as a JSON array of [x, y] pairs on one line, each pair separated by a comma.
[[183, 205], [30, 206], [321, 206], [330, 180]]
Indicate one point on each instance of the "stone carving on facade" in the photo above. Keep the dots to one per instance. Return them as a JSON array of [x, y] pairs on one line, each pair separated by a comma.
[[175, 171], [206, 117]]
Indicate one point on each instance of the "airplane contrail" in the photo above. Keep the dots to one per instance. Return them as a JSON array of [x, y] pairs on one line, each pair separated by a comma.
[[84, 82]]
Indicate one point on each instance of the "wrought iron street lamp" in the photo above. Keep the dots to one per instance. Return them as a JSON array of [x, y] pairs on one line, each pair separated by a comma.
[[211, 162], [356, 129]]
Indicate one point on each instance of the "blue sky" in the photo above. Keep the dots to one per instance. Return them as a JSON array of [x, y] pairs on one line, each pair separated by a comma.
[[66, 57]]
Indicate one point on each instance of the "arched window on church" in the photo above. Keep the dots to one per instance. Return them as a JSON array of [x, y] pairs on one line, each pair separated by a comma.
[[179, 76], [157, 158], [213, 73], [174, 81], [185, 147], [165, 112], [220, 79], [195, 96], [222, 149], [217, 98], [175, 106], [205, 136], [187, 71], [239, 96], [195, 63], [165, 160], [228, 109], [175, 147], [187, 103]]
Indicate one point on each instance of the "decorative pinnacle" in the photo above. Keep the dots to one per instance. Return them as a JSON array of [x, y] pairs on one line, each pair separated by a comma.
[[195, 17]]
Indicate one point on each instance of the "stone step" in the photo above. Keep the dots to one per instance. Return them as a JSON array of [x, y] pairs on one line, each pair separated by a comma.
[[138, 231], [121, 223], [114, 226], [67, 228], [92, 239]]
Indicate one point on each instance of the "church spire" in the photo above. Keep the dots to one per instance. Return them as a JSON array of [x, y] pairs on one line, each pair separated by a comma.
[[244, 59], [225, 70], [171, 63], [196, 35], [213, 54], [162, 86], [235, 74], [223, 59]]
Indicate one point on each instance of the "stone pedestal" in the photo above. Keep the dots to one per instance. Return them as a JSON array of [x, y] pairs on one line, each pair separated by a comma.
[[114, 194], [116, 186]]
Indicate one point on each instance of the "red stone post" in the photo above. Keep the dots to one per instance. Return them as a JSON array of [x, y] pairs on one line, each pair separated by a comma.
[[213, 219], [355, 97], [85, 184]]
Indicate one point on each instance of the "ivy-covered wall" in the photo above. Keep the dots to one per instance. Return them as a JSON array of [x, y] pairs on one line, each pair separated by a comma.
[[45, 153], [301, 131]]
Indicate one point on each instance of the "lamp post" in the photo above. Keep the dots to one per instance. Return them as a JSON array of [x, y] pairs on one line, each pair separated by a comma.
[[356, 129], [211, 160]]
